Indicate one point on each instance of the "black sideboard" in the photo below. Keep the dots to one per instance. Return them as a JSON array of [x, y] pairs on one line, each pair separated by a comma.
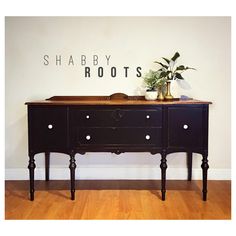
[[117, 124]]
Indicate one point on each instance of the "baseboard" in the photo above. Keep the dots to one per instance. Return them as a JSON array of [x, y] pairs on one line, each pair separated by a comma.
[[117, 172]]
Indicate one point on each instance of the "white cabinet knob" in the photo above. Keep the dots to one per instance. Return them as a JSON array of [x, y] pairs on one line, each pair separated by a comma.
[[88, 137], [147, 137], [147, 117], [87, 117], [50, 126], [185, 126]]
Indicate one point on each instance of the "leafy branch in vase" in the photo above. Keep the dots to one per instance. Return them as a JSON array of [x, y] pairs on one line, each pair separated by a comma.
[[170, 70]]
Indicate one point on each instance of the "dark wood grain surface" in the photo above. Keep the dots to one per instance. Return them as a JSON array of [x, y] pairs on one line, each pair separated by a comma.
[[113, 99]]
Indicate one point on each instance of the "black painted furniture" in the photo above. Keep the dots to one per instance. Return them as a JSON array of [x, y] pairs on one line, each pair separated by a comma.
[[117, 124]]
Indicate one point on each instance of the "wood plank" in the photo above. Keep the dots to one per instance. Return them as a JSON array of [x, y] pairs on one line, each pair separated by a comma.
[[120, 199], [114, 99], [115, 102]]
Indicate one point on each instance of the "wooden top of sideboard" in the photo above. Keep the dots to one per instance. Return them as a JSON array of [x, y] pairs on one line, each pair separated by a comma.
[[114, 99]]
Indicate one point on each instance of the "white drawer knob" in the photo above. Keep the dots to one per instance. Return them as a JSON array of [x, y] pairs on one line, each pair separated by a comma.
[[87, 117], [185, 126], [50, 126], [147, 117], [148, 137], [88, 137]]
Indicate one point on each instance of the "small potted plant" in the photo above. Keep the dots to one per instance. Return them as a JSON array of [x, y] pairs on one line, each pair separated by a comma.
[[154, 82], [171, 71], [150, 80]]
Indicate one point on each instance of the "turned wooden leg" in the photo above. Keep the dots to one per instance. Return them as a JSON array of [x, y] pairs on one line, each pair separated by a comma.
[[47, 164], [31, 168], [189, 164], [72, 167], [205, 167], [163, 176]]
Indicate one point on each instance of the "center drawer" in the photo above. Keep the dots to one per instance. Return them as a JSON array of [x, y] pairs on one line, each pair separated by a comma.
[[119, 136], [118, 118]]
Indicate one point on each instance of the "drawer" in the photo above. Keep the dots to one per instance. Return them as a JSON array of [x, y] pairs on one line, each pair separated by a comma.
[[119, 136], [48, 128], [118, 118], [185, 127]]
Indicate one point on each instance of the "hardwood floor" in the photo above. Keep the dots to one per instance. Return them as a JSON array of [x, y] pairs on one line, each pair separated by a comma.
[[120, 199]]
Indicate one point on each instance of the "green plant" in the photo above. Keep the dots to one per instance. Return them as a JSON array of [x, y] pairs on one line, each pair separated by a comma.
[[161, 82], [153, 79], [170, 70]]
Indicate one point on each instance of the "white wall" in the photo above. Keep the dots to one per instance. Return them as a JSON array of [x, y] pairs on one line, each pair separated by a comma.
[[203, 42]]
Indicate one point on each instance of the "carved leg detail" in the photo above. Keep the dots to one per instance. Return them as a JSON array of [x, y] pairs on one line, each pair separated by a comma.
[[205, 167], [47, 164], [31, 168], [163, 176], [189, 164], [72, 167]]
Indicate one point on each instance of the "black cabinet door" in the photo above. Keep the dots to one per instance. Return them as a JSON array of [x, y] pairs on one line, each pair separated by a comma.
[[185, 127], [47, 128]]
